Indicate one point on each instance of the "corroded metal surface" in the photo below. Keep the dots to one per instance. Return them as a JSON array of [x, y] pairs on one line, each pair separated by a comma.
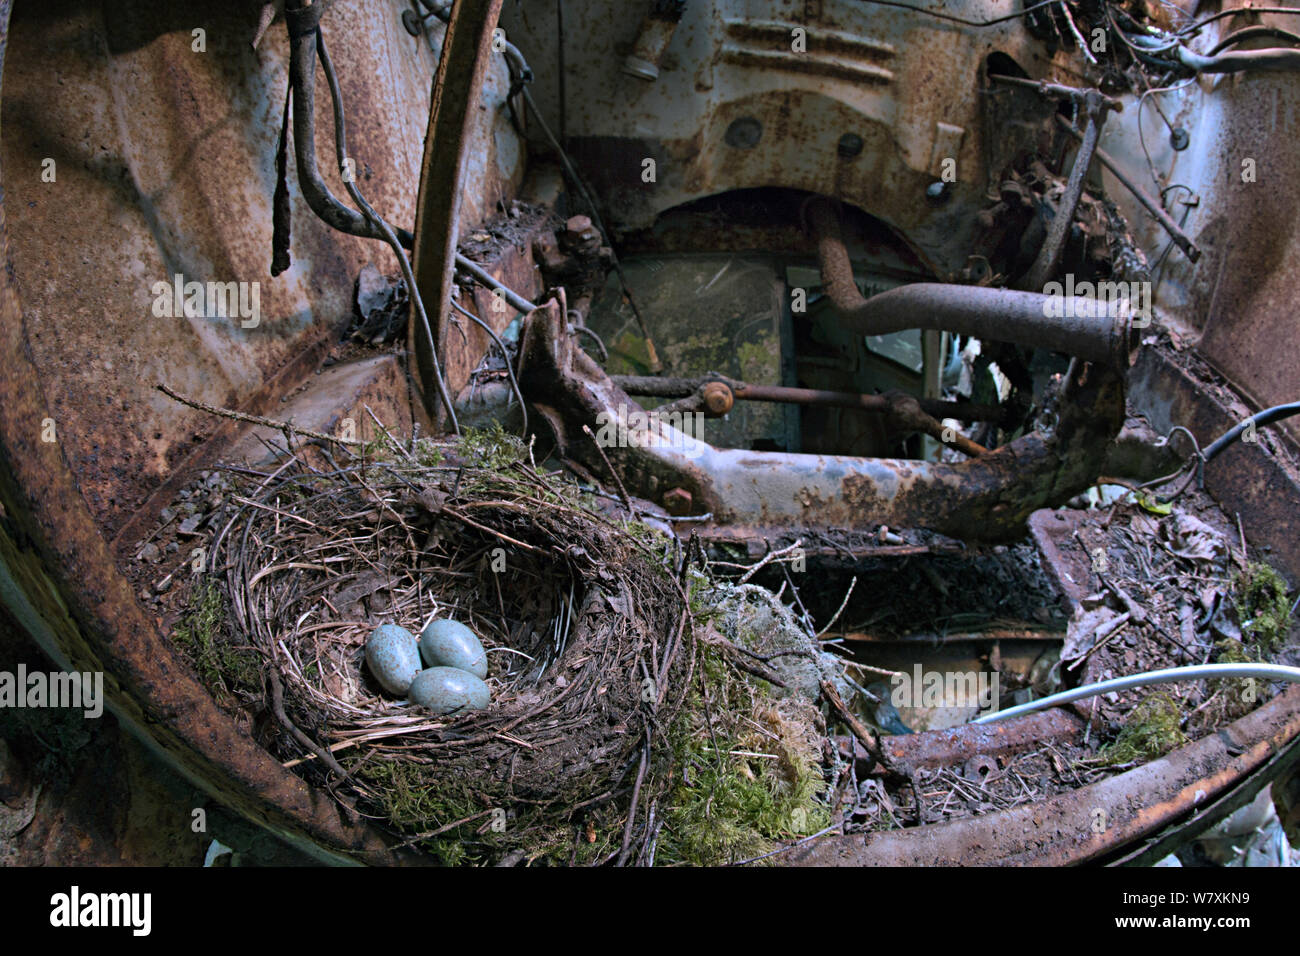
[[858, 101], [175, 182], [1083, 825], [1238, 197], [956, 745], [57, 576], [164, 164], [453, 115], [987, 498], [1002, 315], [1260, 483]]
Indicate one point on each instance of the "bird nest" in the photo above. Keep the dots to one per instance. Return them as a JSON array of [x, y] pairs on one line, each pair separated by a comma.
[[586, 628]]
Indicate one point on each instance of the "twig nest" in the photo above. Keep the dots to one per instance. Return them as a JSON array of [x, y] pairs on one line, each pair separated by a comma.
[[393, 656], [449, 690], [448, 643]]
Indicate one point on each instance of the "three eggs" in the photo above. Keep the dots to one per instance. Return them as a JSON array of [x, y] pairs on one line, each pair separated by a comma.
[[457, 664]]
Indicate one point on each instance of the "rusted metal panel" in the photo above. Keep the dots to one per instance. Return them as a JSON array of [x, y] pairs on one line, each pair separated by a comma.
[[163, 165], [1063, 830], [1261, 484], [752, 98], [1069, 569], [1239, 194], [60, 581], [453, 113]]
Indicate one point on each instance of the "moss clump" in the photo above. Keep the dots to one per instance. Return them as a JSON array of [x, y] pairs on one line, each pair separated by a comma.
[[226, 671], [491, 447], [1263, 607], [749, 772], [1151, 731]]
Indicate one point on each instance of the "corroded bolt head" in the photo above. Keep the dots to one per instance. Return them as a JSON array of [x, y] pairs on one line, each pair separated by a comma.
[[579, 229], [718, 398], [677, 501]]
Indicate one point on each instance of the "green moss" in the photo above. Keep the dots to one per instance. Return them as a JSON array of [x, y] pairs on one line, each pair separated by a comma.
[[1151, 731], [1231, 651], [491, 447], [730, 805], [629, 355], [756, 360], [201, 634], [1263, 607]]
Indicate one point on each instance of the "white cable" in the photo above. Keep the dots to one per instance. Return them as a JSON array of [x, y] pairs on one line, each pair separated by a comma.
[[1168, 675]]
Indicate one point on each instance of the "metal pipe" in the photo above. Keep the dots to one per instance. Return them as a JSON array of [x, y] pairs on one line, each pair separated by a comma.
[[1066, 324], [514, 299], [302, 19], [1168, 675], [1050, 254], [652, 39], [682, 387], [1056, 90], [1180, 238], [1238, 61]]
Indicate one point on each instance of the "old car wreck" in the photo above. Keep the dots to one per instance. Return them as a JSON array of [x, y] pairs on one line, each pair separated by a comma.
[[781, 391]]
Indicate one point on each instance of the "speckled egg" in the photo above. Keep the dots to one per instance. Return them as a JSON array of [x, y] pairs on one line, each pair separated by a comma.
[[448, 643], [447, 690], [393, 656]]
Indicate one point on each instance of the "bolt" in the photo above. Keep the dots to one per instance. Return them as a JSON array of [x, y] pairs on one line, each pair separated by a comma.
[[743, 133], [718, 398], [677, 501], [850, 145], [580, 233]]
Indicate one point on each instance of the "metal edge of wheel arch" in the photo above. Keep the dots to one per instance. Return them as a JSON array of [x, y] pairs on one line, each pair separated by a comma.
[[59, 578], [1168, 840], [1067, 829]]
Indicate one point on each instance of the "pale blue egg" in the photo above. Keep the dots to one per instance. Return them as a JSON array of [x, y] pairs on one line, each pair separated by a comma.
[[448, 643], [449, 690], [393, 656]]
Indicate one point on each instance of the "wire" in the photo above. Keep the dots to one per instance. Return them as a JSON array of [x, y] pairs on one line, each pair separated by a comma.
[[962, 20], [1142, 138], [340, 148], [514, 383], [1240, 61], [581, 186], [1168, 675], [1145, 51], [1249, 33], [1269, 415], [1294, 11]]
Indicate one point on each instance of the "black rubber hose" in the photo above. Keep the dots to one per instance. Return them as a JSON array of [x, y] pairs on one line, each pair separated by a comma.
[[1267, 417], [303, 22]]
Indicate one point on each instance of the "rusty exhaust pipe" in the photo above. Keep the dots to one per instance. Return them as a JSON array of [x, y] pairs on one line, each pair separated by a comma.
[[1096, 330]]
